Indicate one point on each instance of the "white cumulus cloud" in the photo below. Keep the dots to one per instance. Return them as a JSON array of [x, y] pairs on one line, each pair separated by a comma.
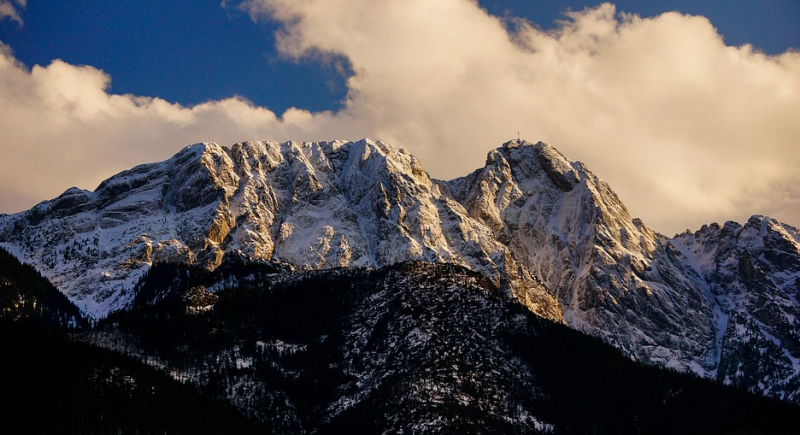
[[11, 9], [60, 127], [686, 129]]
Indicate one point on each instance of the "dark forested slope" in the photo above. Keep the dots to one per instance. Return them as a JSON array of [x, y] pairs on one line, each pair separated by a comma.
[[55, 386], [414, 347]]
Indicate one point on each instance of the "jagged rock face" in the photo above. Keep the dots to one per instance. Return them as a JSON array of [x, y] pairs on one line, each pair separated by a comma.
[[752, 273], [721, 303], [609, 271], [311, 205]]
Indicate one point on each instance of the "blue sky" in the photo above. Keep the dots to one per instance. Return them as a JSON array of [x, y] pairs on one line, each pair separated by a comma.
[[687, 123]]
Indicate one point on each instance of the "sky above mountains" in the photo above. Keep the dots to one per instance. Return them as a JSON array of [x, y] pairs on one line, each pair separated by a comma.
[[687, 108]]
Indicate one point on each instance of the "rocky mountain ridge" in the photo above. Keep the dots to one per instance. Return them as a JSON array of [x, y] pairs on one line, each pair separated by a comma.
[[721, 303], [310, 205], [668, 301]]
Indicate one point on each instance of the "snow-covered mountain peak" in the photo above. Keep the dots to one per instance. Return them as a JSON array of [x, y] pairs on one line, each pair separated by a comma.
[[310, 204], [721, 302], [667, 301]]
